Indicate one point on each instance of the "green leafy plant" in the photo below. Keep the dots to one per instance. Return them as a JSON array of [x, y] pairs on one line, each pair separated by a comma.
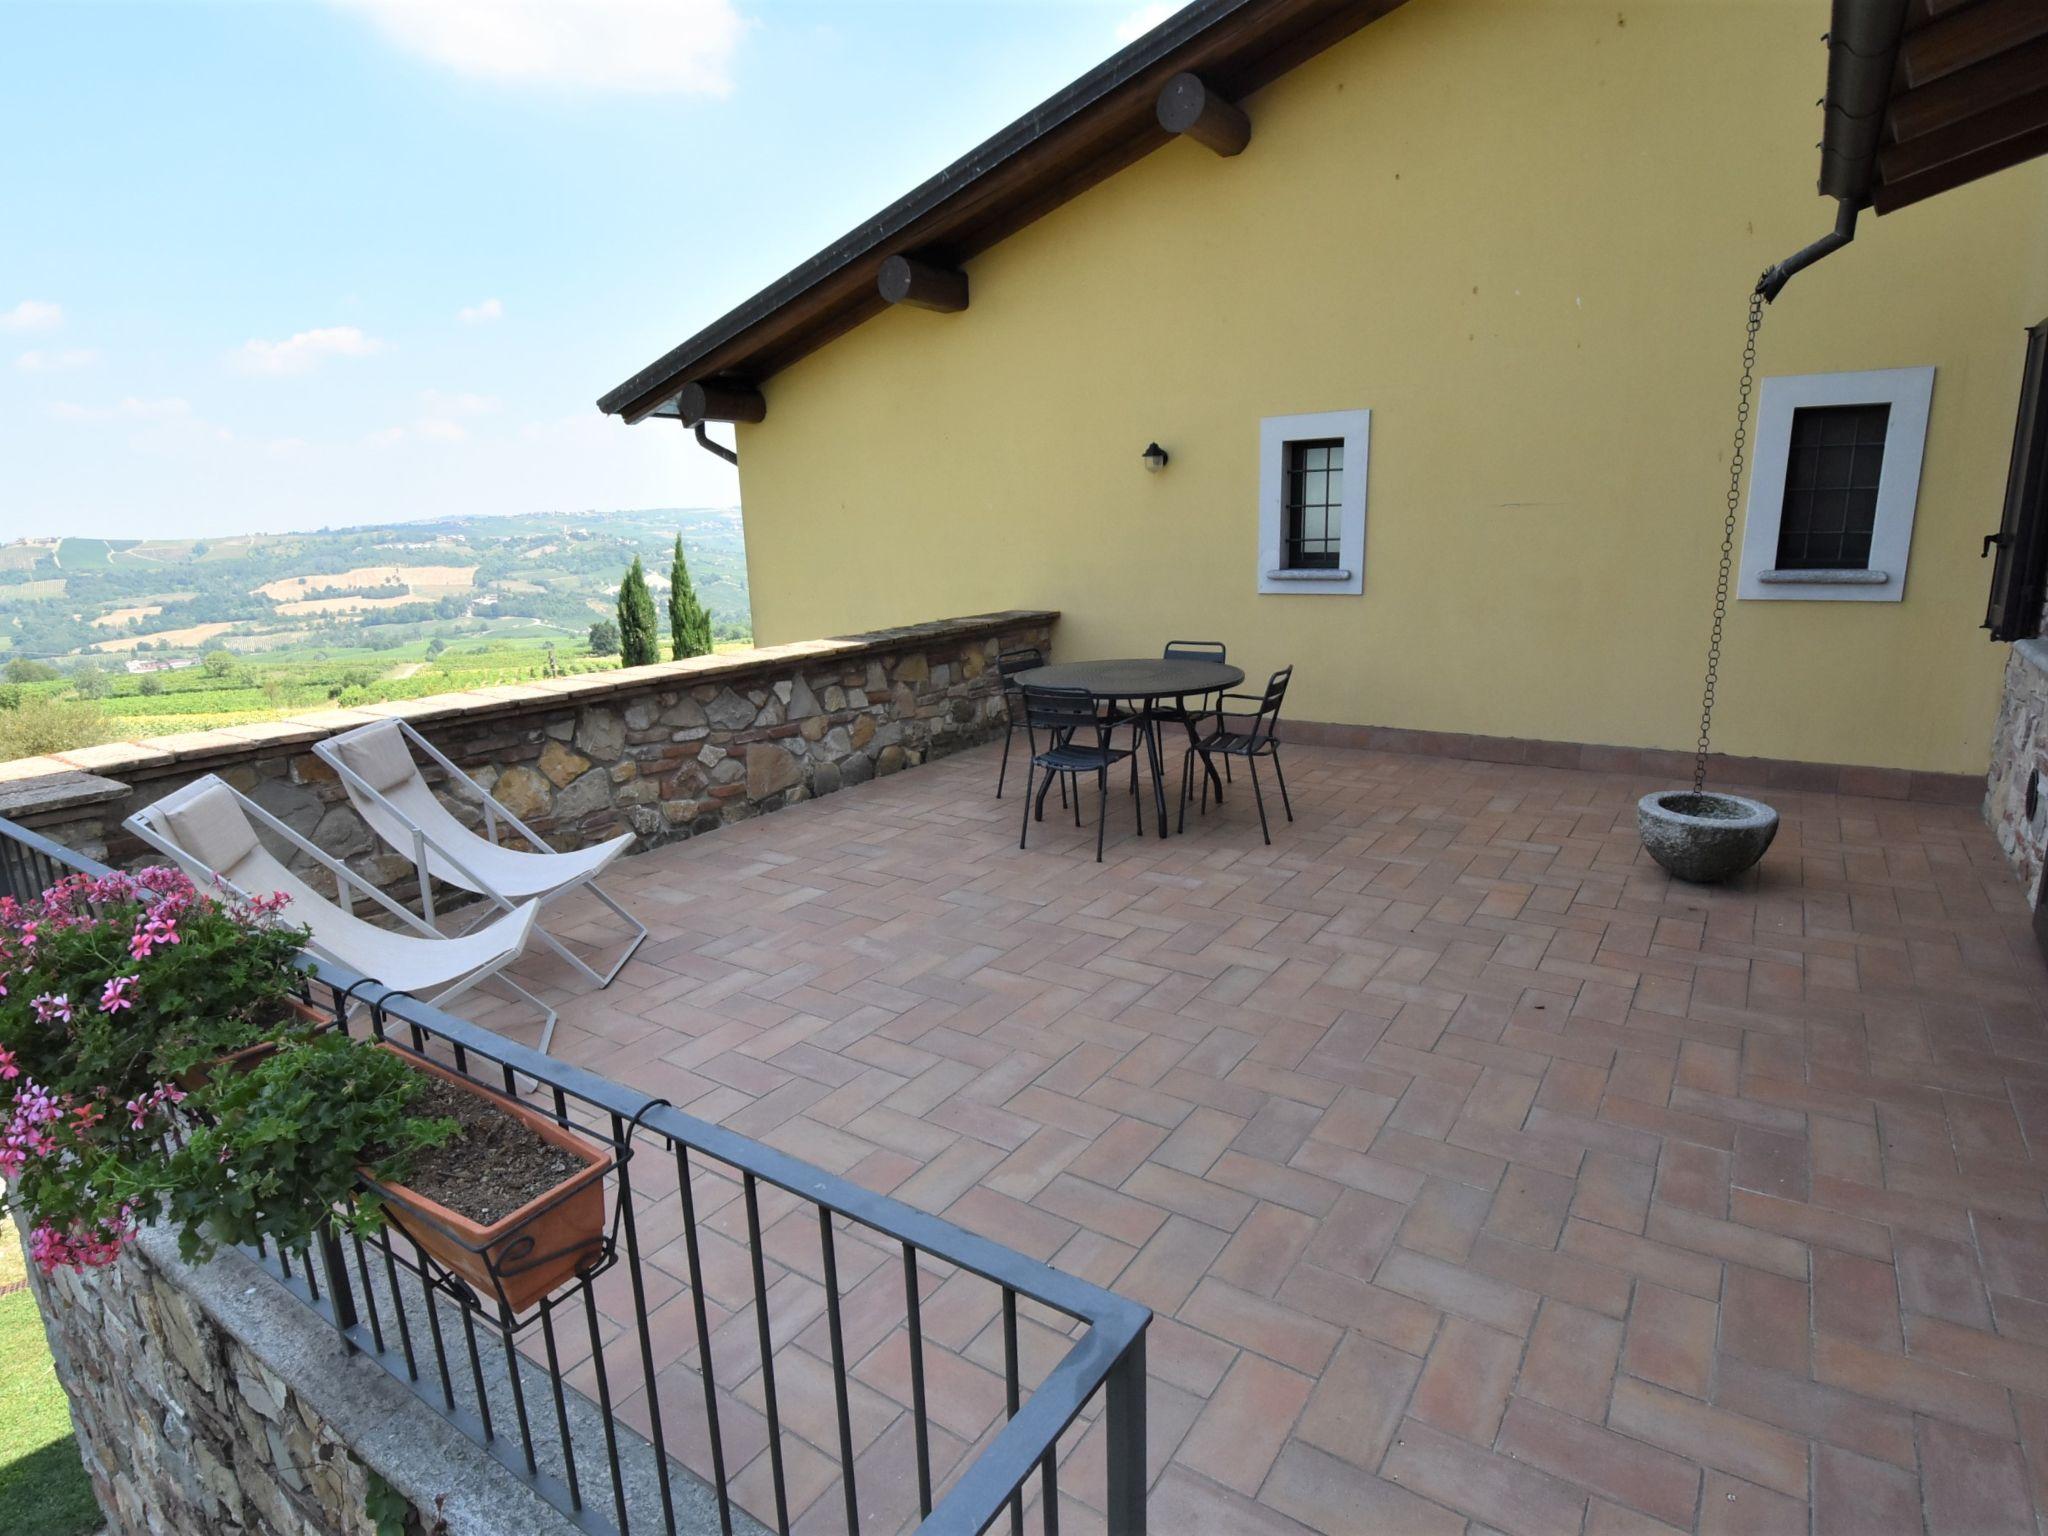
[[88, 681], [689, 622], [38, 723], [120, 995], [639, 642], [278, 1152], [387, 1508], [604, 638], [111, 990]]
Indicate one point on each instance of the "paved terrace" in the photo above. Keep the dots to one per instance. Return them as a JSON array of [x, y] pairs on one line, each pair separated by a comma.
[[1475, 1171]]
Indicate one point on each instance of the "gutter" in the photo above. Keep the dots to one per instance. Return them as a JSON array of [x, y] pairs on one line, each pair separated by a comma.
[[1863, 50]]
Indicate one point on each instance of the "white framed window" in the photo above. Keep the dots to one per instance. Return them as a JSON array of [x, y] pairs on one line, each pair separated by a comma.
[[1833, 485], [1312, 481]]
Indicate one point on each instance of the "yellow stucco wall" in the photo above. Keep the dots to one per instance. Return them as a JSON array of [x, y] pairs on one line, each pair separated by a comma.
[[1522, 234]]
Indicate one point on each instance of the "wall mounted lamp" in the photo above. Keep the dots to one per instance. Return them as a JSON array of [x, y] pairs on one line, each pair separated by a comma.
[[1155, 458]]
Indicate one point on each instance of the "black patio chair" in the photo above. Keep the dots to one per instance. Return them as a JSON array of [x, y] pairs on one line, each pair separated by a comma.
[[1181, 712], [1249, 734], [1008, 665], [1077, 737]]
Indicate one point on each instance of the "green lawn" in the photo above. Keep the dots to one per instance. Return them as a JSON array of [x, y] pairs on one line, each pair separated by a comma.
[[43, 1489]]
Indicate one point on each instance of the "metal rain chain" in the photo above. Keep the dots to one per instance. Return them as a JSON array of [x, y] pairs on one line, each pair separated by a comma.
[[1735, 463]]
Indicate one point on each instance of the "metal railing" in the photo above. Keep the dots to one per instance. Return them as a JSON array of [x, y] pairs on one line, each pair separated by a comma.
[[581, 1401], [30, 863]]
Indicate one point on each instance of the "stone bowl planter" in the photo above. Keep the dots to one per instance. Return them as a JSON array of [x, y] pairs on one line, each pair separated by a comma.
[[1702, 836]]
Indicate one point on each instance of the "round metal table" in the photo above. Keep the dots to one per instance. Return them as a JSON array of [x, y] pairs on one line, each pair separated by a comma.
[[1139, 680]]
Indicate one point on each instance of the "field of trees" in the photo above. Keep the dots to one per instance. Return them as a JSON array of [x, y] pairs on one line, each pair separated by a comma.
[[265, 626]]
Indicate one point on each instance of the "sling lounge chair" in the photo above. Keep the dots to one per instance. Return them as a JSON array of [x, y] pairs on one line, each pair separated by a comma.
[[384, 783], [209, 828]]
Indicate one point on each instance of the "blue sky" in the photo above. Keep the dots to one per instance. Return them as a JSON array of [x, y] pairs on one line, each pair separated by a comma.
[[273, 264]]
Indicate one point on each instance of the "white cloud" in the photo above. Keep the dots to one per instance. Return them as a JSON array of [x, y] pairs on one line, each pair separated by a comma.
[[305, 351], [1143, 20], [167, 425], [130, 408], [618, 45], [56, 359], [437, 402], [32, 315], [438, 424], [481, 314]]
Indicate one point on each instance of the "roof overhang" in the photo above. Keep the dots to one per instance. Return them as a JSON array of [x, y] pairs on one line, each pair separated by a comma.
[[1926, 95], [1090, 130]]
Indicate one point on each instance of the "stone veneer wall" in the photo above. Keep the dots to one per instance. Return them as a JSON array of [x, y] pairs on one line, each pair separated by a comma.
[[2019, 750], [664, 752], [206, 1400]]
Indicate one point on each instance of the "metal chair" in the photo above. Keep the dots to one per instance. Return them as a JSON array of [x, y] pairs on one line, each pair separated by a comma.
[[1180, 713], [1196, 650], [210, 830], [1008, 665], [1249, 734], [376, 766], [1070, 720]]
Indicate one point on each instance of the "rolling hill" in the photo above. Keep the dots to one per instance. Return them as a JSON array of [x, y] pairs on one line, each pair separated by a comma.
[[379, 586]]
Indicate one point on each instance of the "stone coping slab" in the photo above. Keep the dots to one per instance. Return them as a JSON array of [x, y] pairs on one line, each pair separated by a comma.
[[55, 792]]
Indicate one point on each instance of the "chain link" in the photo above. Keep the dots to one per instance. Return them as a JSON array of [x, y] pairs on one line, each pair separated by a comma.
[[1735, 463]]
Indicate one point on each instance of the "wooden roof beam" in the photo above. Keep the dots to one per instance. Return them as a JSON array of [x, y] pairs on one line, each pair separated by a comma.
[[720, 400], [1188, 105], [922, 285]]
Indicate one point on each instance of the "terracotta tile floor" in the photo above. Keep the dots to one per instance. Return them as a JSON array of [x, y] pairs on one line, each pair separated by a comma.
[[1480, 1177]]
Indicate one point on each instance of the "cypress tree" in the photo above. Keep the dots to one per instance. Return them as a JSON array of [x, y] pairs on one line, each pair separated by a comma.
[[689, 624], [639, 642]]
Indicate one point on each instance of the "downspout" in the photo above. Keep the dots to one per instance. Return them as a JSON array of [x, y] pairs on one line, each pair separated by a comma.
[[704, 442], [1773, 282], [1863, 49]]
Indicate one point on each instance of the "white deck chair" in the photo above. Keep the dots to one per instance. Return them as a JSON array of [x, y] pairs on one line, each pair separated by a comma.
[[377, 768], [210, 830]]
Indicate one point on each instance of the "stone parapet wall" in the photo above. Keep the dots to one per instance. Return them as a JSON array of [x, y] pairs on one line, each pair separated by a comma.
[[663, 752], [206, 1400], [2019, 752]]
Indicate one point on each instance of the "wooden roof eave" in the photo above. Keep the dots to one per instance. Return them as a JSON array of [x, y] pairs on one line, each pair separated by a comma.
[[1966, 96], [1092, 129]]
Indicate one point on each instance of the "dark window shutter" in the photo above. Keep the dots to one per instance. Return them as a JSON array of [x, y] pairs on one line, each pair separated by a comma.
[[2019, 578]]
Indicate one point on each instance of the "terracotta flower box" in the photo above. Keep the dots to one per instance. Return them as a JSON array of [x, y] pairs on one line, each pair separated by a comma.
[[531, 1250], [247, 1057]]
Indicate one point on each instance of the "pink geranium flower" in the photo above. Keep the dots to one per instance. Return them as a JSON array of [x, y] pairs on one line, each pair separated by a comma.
[[51, 1005], [139, 1110], [114, 996], [80, 1246], [159, 931], [27, 1133]]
